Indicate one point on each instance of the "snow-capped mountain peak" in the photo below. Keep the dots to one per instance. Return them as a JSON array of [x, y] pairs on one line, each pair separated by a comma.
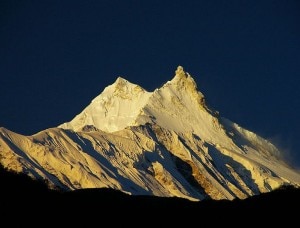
[[124, 88], [124, 104], [183, 79], [114, 109], [121, 88], [165, 143]]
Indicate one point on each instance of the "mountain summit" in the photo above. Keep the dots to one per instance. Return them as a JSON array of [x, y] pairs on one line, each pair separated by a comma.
[[165, 143], [114, 109]]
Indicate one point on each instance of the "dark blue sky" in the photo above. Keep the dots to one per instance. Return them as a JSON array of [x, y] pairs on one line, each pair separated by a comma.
[[56, 56]]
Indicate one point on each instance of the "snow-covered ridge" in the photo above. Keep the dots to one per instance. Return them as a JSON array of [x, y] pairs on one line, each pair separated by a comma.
[[125, 104], [176, 106], [165, 143]]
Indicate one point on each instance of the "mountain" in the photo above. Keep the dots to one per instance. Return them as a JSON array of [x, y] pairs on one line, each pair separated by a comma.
[[26, 200], [163, 143]]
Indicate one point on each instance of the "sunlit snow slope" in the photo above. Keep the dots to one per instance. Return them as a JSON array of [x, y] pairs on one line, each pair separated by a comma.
[[165, 143]]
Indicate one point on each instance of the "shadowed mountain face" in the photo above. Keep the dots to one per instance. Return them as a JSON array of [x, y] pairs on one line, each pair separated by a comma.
[[24, 202], [165, 143]]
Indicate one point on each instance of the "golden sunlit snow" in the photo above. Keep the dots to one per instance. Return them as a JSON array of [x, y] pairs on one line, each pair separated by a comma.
[[165, 143]]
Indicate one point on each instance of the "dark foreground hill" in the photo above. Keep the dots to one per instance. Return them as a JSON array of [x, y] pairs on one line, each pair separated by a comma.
[[25, 201]]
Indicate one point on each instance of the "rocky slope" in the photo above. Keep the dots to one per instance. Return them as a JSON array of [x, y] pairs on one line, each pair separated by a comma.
[[165, 143]]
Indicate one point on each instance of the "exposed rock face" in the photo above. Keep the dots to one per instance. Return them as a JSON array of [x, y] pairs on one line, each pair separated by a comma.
[[165, 143]]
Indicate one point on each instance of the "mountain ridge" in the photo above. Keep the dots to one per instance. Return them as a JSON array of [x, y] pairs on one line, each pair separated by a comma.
[[164, 143], [23, 196]]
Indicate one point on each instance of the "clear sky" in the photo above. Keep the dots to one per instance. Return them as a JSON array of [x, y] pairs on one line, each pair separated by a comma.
[[56, 56]]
